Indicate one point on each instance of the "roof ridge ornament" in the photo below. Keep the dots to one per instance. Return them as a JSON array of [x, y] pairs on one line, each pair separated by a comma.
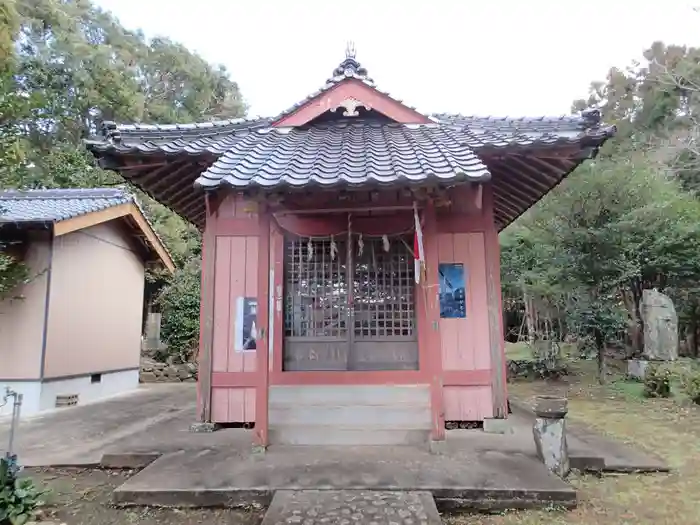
[[350, 51], [350, 67]]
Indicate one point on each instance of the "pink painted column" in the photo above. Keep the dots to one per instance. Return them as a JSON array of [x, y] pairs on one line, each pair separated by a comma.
[[263, 314], [206, 313], [495, 313], [431, 325]]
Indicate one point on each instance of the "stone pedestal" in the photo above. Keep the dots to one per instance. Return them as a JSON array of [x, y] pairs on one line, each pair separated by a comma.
[[549, 432]]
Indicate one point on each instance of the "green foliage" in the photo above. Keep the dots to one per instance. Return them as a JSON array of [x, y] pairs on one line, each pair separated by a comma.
[[690, 385], [622, 223], [657, 381], [9, 23], [13, 273], [19, 498], [179, 303]]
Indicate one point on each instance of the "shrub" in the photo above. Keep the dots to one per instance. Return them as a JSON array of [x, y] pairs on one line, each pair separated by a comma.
[[179, 303], [657, 381], [19, 498], [546, 363], [690, 383]]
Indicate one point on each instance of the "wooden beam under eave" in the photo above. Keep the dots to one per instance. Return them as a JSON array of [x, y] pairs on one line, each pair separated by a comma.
[[554, 164], [195, 205], [174, 176], [503, 203], [88, 220], [542, 184], [507, 183]]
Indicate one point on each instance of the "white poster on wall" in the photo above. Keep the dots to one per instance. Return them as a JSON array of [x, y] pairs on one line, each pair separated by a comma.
[[246, 331]]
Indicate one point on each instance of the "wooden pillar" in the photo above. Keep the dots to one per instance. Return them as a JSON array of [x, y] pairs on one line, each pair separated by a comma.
[[431, 324], [206, 313], [277, 295], [495, 313], [263, 314]]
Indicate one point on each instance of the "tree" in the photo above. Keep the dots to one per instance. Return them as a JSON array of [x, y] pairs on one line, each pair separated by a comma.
[[66, 66]]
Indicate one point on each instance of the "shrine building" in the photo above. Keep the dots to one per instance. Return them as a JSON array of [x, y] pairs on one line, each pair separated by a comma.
[[350, 276]]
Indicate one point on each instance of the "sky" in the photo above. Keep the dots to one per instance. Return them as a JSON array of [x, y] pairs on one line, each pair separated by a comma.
[[494, 57]]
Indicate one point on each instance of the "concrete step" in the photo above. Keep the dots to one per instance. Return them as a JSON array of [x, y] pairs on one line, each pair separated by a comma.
[[382, 416], [340, 436], [352, 395]]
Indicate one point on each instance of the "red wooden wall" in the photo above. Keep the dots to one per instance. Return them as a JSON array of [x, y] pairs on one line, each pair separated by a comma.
[[466, 347], [236, 275]]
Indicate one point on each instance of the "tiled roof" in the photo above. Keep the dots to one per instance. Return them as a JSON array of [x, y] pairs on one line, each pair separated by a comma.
[[502, 132], [203, 137], [346, 152], [56, 205], [478, 133], [368, 149]]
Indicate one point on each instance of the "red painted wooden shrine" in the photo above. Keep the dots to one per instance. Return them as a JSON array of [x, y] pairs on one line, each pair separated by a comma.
[[309, 226]]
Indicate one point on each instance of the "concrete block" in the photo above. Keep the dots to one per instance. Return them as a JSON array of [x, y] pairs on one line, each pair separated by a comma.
[[587, 463], [437, 446], [637, 368], [497, 426]]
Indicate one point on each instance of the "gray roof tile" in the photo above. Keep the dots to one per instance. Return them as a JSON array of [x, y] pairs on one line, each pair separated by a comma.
[[56, 205], [345, 152], [477, 133]]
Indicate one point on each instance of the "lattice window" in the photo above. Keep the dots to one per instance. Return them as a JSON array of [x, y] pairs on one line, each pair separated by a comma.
[[384, 291], [315, 289]]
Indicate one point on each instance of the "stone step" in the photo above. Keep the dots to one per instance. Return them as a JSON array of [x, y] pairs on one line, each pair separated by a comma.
[[352, 506], [349, 394], [340, 436], [383, 416]]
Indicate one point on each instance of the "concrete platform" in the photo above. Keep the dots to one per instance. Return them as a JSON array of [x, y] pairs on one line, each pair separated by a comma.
[[359, 507], [150, 428], [224, 476]]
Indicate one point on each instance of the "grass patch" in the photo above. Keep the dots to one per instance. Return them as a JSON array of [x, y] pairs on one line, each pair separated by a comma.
[[520, 351], [632, 390], [669, 428]]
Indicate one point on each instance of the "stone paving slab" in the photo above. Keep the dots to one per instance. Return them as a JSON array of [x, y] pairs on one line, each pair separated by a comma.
[[352, 507], [224, 476]]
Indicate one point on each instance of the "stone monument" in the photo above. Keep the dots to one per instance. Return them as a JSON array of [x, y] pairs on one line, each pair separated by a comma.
[[660, 332], [660, 327]]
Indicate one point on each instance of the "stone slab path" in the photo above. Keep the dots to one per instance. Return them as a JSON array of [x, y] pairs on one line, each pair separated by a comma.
[[351, 507]]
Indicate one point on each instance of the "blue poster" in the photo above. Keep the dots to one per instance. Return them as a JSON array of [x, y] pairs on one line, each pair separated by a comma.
[[453, 291]]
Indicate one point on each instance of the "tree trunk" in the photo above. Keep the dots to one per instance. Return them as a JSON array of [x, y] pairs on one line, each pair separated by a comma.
[[560, 325], [637, 296], [528, 319], [600, 348]]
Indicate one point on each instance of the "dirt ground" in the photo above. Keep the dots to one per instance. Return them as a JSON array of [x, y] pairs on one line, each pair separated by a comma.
[[668, 427], [82, 497]]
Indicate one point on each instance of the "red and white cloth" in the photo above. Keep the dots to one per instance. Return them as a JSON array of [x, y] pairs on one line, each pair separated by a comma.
[[418, 252]]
